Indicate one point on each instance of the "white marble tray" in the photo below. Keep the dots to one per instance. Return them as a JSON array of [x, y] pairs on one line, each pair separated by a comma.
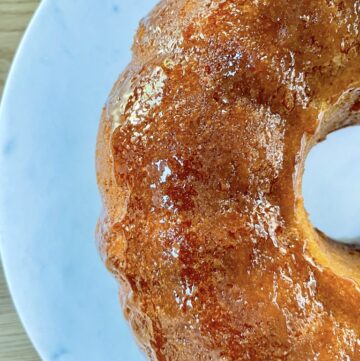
[[68, 60], [71, 55]]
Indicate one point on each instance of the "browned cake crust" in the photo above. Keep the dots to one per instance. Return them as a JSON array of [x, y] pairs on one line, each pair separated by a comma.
[[200, 159]]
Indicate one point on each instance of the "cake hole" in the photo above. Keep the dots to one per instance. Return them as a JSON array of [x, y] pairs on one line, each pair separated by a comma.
[[331, 185]]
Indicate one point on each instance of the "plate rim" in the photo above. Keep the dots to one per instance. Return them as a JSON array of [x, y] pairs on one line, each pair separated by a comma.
[[41, 8]]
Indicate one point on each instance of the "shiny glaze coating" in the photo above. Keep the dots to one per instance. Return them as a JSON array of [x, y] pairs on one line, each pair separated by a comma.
[[200, 158]]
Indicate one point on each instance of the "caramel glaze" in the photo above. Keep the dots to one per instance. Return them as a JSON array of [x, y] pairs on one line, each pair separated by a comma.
[[200, 158]]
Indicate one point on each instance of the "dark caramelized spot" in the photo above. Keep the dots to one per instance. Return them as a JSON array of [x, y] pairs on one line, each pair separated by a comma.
[[355, 107]]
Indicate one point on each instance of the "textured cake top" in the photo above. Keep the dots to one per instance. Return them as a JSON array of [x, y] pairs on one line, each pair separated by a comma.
[[200, 158]]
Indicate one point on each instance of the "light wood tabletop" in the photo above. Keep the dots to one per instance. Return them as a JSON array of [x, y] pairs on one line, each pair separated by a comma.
[[14, 17]]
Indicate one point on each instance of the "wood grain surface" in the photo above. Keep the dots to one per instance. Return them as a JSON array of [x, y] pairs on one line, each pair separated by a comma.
[[14, 17]]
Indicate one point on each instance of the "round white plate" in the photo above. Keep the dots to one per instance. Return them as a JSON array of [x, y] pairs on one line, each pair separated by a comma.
[[66, 65], [71, 55]]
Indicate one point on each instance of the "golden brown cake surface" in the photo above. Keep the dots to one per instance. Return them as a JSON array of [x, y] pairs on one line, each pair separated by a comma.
[[200, 159]]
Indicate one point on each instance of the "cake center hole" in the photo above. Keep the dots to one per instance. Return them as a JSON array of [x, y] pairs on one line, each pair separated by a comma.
[[331, 185]]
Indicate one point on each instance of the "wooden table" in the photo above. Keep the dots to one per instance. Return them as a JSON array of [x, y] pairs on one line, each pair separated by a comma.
[[14, 17]]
